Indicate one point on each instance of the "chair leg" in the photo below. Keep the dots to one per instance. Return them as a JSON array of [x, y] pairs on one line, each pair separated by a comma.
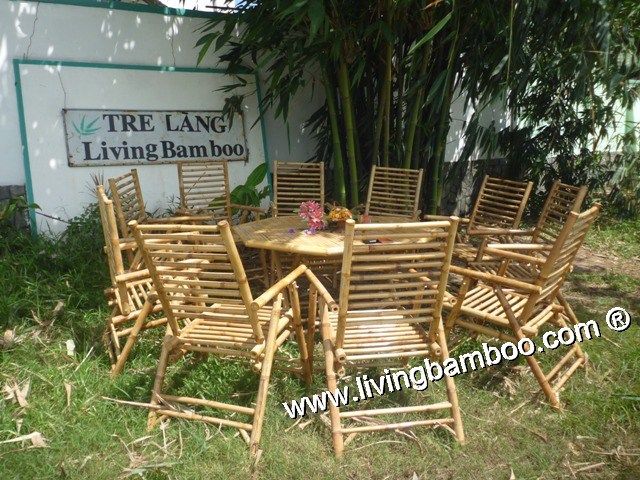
[[311, 324], [534, 365], [167, 346], [332, 385], [262, 255], [111, 341], [131, 339], [567, 309], [299, 332], [265, 375], [452, 393]]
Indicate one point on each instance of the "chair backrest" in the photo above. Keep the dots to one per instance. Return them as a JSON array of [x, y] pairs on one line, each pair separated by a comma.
[[121, 258], [403, 272], [394, 192], [294, 183], [127, 200], [500, 203], [560, 259], [197, 273], [110, 232], [562, 199], [204, 187]]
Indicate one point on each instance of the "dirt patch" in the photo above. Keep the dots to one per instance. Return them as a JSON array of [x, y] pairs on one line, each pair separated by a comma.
[[591, 261]]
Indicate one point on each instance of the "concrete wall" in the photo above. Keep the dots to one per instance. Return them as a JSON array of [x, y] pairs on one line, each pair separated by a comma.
[[130, 37]]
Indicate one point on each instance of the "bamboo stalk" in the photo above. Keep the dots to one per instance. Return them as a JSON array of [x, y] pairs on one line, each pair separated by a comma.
[[339, 190], [349, 124]]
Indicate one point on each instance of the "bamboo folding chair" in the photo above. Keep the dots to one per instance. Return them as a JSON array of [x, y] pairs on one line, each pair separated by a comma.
[[129, 295], [561, 201], [129, 204], [394, 192], [204, 188], [202, 286], [500, 204], [391, 296], [294, 183], [510, 309]]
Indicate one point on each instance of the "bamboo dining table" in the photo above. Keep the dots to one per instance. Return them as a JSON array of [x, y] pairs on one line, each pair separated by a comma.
[[286, 235]]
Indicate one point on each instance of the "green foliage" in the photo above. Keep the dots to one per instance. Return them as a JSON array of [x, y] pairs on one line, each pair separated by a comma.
[[15, 206], [566, 75], [248, 193], [389, 69]]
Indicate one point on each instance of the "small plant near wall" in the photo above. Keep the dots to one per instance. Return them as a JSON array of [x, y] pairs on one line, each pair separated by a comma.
[[248, 193], [13, 207]]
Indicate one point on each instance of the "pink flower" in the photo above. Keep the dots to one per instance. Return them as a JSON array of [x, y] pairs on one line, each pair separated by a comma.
[[314, 215]]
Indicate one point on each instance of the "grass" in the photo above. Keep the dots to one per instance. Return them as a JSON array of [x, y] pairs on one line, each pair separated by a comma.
[[509, 429]]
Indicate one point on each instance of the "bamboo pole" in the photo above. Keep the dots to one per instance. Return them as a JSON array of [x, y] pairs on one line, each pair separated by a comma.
[[265, 374], [349, 124], [332, 384], [339, 190]]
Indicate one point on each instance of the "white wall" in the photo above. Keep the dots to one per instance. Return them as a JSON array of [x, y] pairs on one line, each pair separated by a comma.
[[57, 32]]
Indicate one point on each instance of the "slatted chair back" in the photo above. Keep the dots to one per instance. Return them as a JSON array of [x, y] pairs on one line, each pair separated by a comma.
[[294, 183], [565, 248], [500, 203], [394, 192], [112, 248], [127, 200], [402, 274], [130, 295], [195, 268], [204, 187], [561, 201]]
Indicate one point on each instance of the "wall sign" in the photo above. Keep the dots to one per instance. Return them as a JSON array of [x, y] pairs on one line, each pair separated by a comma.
[[133, 137]]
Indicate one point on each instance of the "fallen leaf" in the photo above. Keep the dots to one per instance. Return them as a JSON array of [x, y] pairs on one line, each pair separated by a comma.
[[67, 389], [57, 310], [8, 339], [12, 391], [71, 348], [513, 475], [21, 393], [36, 439]]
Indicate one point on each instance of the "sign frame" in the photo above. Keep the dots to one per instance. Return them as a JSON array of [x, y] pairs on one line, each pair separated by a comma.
[[160, 161]]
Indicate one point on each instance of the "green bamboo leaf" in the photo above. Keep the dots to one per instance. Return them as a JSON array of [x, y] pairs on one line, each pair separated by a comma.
[[316, 17], [257, 176], [431, 33]]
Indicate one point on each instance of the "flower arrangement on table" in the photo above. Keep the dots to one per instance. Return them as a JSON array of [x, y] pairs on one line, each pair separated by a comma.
[[339, 215], [313, 213]]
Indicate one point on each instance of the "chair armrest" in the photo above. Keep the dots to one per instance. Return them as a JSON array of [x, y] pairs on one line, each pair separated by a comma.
[[250, 208], [520, 246], [521, 257], [128, 244], [322, 291], [132, 276], [501, 231], [435, 218], [181, 219], [277, 287], [491, 279]]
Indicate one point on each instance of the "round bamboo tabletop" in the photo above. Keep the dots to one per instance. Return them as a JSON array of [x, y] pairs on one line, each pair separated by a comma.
[[287, 234]]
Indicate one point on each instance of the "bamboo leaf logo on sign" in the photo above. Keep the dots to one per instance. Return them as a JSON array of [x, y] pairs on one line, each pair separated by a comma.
[[134, 137], [86, 129]]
